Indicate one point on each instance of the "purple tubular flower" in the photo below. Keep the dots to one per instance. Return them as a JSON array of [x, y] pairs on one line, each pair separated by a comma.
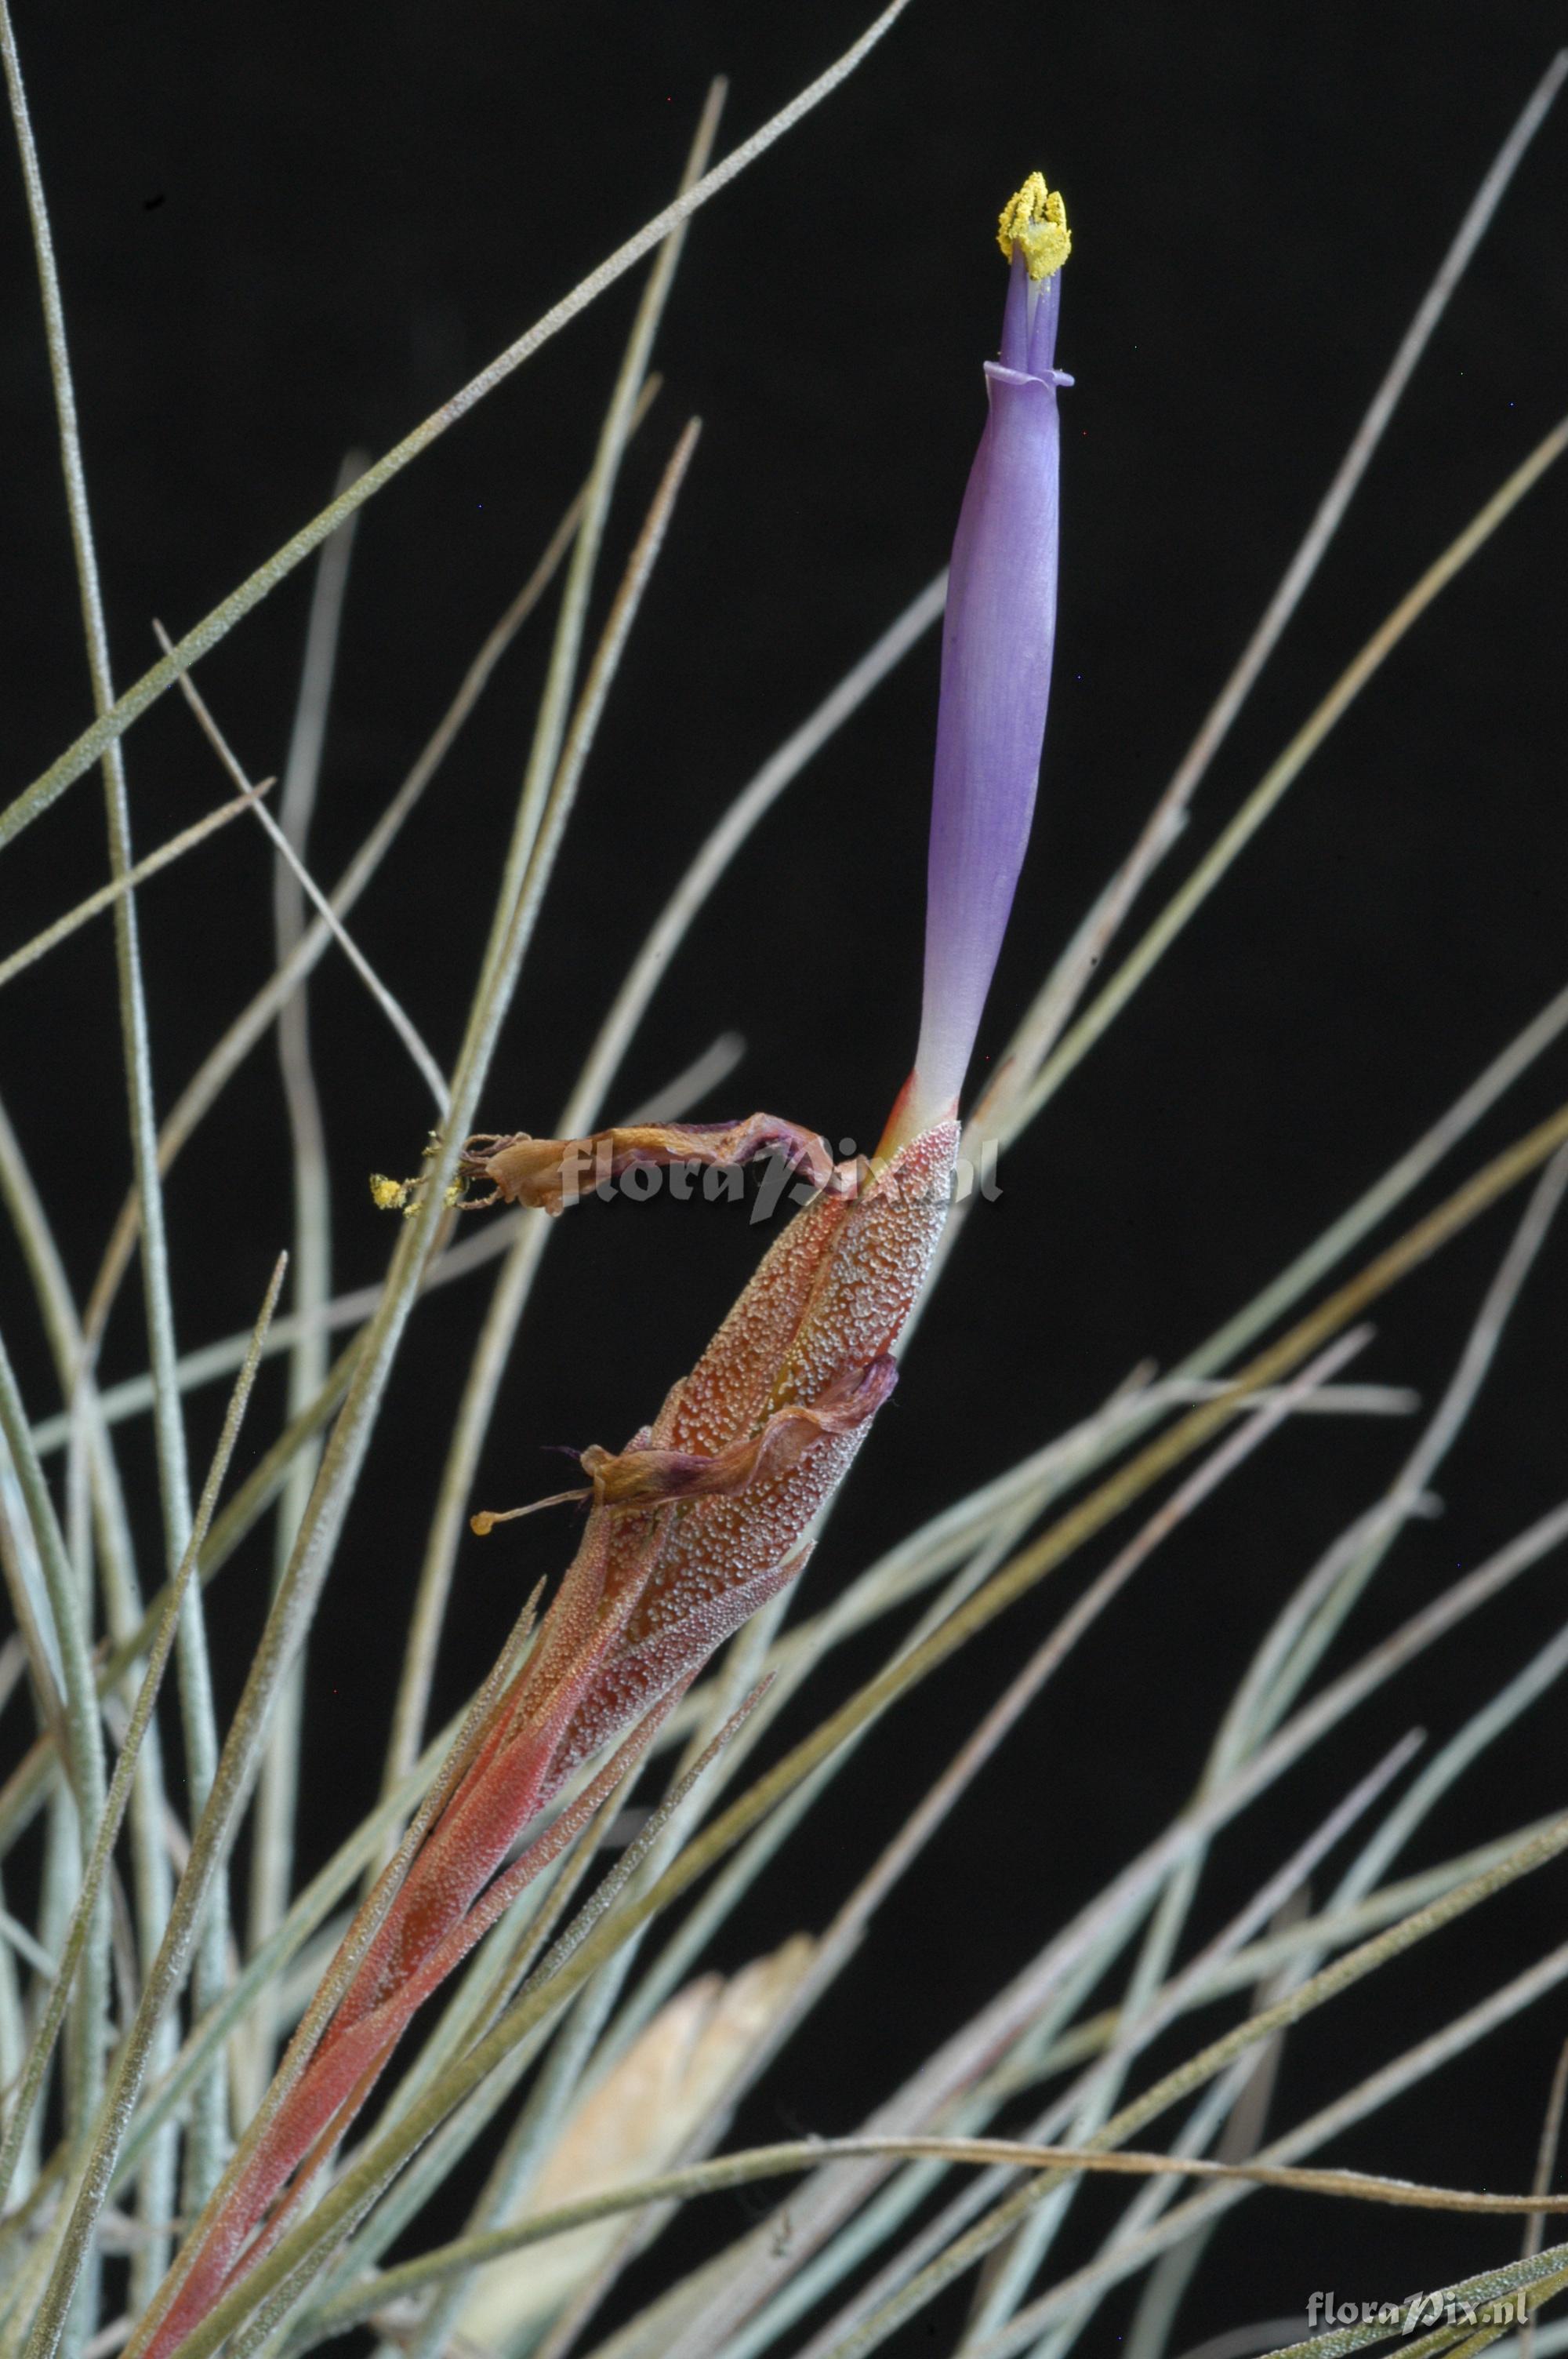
[[996, 664]]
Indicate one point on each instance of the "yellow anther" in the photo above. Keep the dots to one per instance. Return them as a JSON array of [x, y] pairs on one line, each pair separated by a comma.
[[1035, 221], [389, 1195]]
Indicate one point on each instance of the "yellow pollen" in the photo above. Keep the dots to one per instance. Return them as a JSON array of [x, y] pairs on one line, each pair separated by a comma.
[[1035, 223], [389, 1194]]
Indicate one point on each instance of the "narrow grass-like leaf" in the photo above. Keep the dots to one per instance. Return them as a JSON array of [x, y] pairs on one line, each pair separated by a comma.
[[792, 2158], [272, 1833]]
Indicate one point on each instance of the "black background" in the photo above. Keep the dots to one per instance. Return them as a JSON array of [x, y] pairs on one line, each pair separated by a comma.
[[285, 231]]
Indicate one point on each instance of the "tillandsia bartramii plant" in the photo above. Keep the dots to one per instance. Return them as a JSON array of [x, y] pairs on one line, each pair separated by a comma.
[[588, 1831], [703, 1516]]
